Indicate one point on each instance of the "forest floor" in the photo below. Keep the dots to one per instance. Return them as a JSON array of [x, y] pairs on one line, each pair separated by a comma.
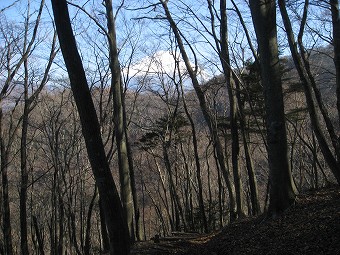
[[310, 226]]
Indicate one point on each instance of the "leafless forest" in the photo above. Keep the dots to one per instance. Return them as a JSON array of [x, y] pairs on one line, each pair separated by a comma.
[[125, 120]]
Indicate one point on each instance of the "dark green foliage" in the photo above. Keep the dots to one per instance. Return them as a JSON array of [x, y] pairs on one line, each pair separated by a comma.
[[166, 129]]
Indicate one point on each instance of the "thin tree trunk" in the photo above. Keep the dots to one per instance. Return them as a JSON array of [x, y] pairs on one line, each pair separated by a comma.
[[38, 235], [7, 227], [254, 197], [138, 231], [198, 165], [24, 119], [165, 199], [312, 109], [61, 215], [177, 204], [87, 243], [118, 117], [235, 147], [208, 118], [336, 44], [24, 172], [103, 229]]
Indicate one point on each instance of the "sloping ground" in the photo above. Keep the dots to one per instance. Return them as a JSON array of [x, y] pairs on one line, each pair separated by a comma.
[[311, 226]]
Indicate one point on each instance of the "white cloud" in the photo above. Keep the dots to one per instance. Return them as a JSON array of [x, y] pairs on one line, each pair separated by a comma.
[[161, 62]]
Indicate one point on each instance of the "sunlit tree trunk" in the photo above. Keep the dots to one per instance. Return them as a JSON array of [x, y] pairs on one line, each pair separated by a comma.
[[118, 117]]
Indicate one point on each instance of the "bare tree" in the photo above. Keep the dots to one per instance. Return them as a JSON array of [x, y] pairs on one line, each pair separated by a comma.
[[312, 94], [120, 123], [12, 46], [114, 216], [209, 119], [282, 189]]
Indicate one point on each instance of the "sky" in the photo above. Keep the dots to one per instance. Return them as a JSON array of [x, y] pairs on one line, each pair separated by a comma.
[[153, 51]]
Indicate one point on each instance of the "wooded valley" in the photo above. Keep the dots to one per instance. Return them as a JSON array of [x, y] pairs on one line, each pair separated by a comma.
[[126, 121]]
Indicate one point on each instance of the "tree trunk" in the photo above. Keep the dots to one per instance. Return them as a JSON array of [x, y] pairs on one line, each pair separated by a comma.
[[38, 235], [138, 232], [24, 172], [87, 242], [103, 229], [173, 192], [113, 211], [7, 227], [198, 166], [207, 116], [254, 197], [312, 108], [118, 117], [282, 188], [336, 44], [61, 218], [235, 146]]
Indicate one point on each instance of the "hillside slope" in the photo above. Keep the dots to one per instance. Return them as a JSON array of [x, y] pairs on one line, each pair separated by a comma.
[[311, 226]]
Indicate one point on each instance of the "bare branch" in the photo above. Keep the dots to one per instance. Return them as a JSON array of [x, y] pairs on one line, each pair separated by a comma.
[[102, 28], [7, 7]]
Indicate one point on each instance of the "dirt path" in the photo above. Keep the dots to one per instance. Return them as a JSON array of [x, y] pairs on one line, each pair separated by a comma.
[[311, 226]]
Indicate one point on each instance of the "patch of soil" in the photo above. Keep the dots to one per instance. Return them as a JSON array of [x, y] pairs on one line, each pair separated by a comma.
[[311, 226]]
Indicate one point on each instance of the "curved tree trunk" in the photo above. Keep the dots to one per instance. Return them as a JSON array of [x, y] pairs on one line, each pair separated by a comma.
[[113, 211]]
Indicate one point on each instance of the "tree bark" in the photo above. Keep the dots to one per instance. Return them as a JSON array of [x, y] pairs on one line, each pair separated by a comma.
[[254, 196], [336, 44], [113, 211], [87, 242], [282, 188], [235, 143], [7, 227], [23, 167], [38, 235], [118, 117], [103, 229]]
